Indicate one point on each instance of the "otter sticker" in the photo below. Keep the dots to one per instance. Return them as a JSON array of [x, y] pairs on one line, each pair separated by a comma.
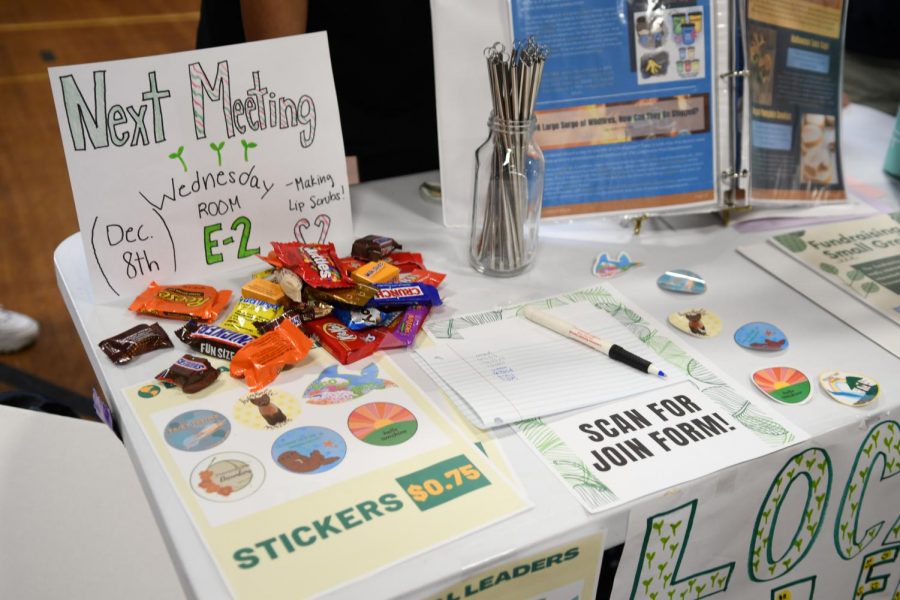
[[309, 450]]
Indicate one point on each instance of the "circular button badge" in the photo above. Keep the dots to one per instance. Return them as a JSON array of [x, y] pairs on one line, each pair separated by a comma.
[[849, 388], [309, 450], [761, 336], [682, 281], [783, 384], [698, 322], [197, 430]]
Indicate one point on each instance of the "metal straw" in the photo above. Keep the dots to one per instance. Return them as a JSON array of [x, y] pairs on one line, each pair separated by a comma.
[[514, 81]]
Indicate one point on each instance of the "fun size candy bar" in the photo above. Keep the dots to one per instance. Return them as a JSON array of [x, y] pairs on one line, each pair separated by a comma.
[[402, 332], [260, 361], [184, 302], [191, 373], [375, 272], [345, 345], [212, 340], [249, 311], [374, 247], [138, 340], [402, 294], [364, 318], [316, 264]]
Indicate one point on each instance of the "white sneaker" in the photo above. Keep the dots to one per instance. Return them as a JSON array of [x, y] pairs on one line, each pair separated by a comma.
[[16, 330]]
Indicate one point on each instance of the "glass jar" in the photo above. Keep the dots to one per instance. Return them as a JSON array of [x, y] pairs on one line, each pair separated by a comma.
[[509, 189]]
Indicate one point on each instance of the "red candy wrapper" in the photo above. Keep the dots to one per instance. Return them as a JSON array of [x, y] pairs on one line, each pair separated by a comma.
[[406, 260], [271, 260], [260, 361], [350, 264], [183, 302], [345, 345], [316, 264], [422, 276]]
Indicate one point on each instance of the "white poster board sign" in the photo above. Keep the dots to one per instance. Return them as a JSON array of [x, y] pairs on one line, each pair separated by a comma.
[[462, 29], [819, 520], [186, 165], [653, 441]]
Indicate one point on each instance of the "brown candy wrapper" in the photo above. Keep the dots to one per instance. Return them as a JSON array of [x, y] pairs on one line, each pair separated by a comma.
[[260, 361], [298, 314], [183, 302], [359, 295], [138, 340], [191, 373], [374, 247]]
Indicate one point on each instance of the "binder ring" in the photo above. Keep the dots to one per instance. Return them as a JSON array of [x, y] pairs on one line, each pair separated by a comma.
[[732, 174], [730, 74]]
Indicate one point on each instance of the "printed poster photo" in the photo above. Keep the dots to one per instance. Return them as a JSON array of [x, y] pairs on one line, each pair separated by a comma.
[[818, 148], [669, 44]]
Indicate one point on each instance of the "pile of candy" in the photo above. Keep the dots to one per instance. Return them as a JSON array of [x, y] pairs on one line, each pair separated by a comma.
[[377, 298]]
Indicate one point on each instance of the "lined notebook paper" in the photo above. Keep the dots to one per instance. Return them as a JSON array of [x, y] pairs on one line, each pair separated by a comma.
[[513, 369]]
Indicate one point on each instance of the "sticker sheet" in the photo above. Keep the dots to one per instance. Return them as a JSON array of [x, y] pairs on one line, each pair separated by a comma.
[[327, 462]]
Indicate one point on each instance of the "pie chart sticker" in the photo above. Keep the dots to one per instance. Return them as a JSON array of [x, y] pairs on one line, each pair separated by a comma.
[[382, 424], [309, 450], [761, 336], [849, 388], [197, 430], [783, 384]]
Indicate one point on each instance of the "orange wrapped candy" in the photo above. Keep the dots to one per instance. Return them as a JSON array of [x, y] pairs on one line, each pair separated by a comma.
[[260, 361], [183, 302]]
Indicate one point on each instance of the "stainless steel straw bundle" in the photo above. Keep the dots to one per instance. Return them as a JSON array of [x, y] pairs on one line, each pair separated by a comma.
[[502, 230], [515, 78]]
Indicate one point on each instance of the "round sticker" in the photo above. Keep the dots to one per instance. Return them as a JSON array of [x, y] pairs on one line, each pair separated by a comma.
[[266, 409], [309, 450], [227, 477], [682, 281], [382, 424], [197, 430], [148, 391], [849, 388], [697, 322], [761, 336], [783, 384]]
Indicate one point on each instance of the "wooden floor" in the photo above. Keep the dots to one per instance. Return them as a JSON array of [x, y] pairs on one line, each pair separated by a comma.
[[36, 200]]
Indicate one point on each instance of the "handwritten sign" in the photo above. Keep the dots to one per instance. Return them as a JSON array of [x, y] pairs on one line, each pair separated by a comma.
[[186, 165]]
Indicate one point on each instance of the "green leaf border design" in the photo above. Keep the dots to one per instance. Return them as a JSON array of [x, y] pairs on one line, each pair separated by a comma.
[[566, 463]]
